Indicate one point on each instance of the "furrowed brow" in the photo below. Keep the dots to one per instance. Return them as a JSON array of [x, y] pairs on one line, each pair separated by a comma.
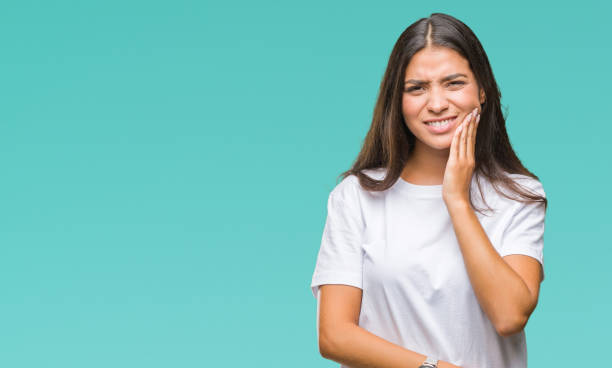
[[447, 78]]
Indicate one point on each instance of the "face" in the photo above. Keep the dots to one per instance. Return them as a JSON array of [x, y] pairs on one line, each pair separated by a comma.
[[439, 84]]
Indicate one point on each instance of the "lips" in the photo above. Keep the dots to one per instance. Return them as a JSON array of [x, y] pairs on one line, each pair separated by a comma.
[[444, 128], [440, 119]]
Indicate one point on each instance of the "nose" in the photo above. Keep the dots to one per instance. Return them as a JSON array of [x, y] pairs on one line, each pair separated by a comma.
[[437, 101]]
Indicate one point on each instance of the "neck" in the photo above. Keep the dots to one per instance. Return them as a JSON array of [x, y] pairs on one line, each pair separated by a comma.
[[426, 165]]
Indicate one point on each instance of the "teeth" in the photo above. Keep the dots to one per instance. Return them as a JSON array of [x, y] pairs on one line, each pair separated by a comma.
[[439, 123]]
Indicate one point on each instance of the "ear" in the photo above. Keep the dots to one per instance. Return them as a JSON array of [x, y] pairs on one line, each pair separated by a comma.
[[482, 96]]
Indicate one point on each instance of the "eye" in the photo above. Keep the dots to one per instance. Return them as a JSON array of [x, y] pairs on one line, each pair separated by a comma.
[[417, 87], [411, 89]]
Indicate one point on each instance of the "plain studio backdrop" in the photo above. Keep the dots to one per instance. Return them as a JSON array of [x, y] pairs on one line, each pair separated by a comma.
[[166, 164]]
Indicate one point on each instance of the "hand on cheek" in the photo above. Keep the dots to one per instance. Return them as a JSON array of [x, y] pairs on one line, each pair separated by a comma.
[[461, 162]]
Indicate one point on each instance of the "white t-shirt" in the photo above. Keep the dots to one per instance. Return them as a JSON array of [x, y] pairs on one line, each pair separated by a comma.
[[400, 248]]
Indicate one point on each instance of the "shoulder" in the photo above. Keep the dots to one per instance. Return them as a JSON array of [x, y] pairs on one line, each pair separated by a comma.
[[526, 182], [501, 197], [377, 174], [530, 184], [350, 189]]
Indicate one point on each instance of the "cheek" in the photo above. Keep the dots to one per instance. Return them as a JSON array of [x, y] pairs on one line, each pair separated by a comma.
[[467, 98], [411, 108]]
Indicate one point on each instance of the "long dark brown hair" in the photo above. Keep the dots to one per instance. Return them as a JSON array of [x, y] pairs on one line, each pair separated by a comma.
[[389, 142]]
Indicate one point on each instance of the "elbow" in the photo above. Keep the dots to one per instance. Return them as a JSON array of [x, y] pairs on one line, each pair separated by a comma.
[[330, 342], [511, 326], [326, 343], [515, 322], [325, 346]]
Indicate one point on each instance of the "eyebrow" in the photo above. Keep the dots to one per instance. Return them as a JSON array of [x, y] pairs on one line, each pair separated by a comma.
[[447, 78]]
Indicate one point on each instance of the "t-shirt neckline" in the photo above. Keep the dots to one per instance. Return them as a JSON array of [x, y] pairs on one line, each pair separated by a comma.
[[417, 190]]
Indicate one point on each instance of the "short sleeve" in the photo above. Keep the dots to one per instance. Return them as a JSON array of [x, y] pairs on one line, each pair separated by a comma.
[[339, 260], [524, 233]]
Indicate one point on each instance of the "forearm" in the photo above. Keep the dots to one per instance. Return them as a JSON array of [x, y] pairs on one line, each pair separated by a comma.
[[358, 348], [501, 292]]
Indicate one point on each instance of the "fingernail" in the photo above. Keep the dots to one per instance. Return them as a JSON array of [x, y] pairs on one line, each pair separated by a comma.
[[477, 118]]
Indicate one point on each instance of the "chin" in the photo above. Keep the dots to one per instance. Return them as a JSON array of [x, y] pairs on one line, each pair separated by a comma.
[[444, 145], [442, 148], [440, 144]]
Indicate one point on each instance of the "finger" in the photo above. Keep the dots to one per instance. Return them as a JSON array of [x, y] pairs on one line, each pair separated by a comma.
[[476, 130], [455, 143], [457, 136], [469, 149], [462, 139]]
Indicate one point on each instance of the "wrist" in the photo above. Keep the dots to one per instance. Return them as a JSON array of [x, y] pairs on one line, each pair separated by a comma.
[[460, 204]]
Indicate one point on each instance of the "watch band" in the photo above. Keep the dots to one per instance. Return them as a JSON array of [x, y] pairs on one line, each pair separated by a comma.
[[430, 363]]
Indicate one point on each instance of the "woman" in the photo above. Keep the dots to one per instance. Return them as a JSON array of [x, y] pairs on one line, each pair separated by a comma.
[[431, 254]]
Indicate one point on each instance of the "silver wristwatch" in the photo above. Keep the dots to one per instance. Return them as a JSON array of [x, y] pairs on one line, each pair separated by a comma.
[[430, 363]]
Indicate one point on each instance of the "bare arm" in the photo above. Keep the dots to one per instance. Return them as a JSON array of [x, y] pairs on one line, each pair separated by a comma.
[[342, 340], [507, 288]]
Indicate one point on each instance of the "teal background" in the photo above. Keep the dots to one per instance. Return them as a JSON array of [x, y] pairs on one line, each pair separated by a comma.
[[166, 165]]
